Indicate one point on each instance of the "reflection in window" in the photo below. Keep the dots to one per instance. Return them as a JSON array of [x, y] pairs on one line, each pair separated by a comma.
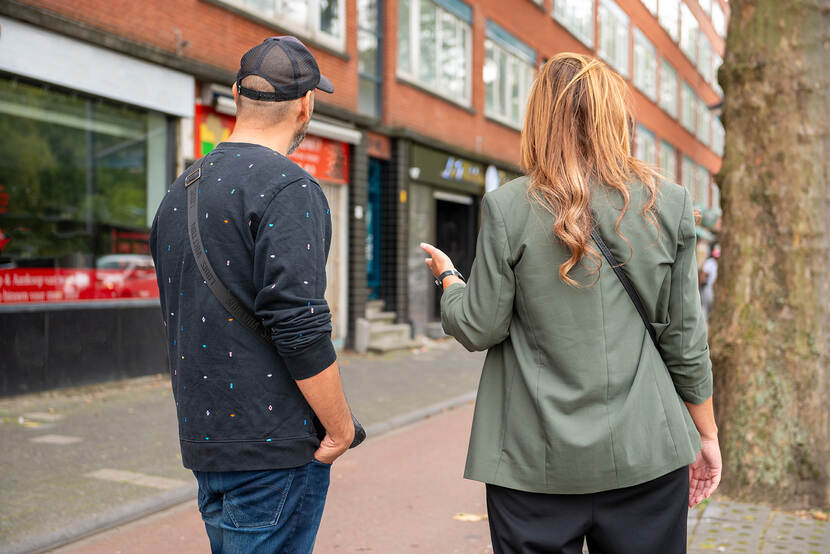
[[645, 65], [668, 162], [668, 88], [434, 48], [82, 178], [613, 36], [320, 20], [509, 66], [577, 16]]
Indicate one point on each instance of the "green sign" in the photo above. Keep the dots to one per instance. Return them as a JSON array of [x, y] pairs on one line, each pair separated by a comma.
[[456, 173]]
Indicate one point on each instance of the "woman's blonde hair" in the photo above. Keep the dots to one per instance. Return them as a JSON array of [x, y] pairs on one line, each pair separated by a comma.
[[577, 130]]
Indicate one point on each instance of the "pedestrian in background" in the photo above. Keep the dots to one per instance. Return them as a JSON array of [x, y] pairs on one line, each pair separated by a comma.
[[583, 428], [708, 276], [247, 408]]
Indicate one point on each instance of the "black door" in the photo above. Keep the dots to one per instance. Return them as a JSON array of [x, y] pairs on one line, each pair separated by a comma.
[[455, 234]]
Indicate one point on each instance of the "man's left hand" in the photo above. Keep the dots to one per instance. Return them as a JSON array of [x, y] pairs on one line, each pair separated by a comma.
[[438, 262]]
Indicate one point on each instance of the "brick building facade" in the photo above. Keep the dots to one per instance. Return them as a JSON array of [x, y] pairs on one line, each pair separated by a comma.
[[426, 116]]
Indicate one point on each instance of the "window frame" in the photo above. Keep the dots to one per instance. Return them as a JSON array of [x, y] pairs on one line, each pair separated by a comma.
[[622, 66], [664, 18], [639, 38], [674, 112], [415, 53], [688, 107], [667, 146], [378, 78], [312, 30], [526, 71], [689, 32], [643, 131], [567, 24]]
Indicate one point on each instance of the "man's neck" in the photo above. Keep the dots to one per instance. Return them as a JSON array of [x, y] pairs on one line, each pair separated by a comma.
[[276, 140]]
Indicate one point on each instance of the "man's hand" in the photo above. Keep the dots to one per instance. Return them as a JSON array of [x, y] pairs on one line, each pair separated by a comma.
[[324, 393], [705, 472]]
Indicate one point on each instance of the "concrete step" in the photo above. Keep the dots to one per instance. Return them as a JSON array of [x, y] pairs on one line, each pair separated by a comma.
[[392, 345], [381, 317], [379, 331], [374, 306]]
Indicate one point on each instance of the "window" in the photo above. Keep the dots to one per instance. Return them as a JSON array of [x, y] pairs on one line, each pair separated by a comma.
[[688, 108], [717, 136], [434, 46], [702, 187], [645, 65], [704, 57], [716, 197], [613, 36], [368, 57], [716, 63], [320, 20], [688, 33], [651, 5], [668, 88], [718, 19], [668, 162], [78, 211], [687, 174], [646, 145], [577, 16], [668, 16], [707, 6], [704, 122], [508, 73]]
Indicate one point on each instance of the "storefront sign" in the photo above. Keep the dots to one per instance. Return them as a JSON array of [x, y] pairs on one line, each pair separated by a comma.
[[457, 173], [61, 285], [378, 146], [211, 128], [326, 160]]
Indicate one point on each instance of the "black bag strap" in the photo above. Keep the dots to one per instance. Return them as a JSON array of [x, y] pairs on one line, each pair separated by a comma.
[[626, 283], [231, 303]]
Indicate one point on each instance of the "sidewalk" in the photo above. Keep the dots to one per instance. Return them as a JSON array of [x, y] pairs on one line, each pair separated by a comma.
[[401, 493], [76, 460]]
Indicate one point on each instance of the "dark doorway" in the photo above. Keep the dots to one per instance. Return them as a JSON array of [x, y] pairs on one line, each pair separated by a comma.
[[374, 228], [455, 234]]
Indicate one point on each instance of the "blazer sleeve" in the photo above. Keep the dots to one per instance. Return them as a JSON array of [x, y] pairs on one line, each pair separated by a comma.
[[684, 341], [478, 314]]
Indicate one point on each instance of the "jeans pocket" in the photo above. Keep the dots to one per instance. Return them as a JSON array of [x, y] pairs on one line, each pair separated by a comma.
[[315, 461], [258, 502]]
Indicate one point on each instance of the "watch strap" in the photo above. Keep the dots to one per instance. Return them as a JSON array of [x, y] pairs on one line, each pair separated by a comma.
[[439, 281]]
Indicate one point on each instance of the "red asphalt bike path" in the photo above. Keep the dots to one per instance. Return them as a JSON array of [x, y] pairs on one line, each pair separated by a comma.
[[396, 493]]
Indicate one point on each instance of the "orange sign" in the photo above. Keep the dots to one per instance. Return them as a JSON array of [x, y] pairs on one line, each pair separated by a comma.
[[326, 160]]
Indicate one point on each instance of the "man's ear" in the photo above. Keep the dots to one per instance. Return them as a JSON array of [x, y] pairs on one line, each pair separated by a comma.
[[306, 106], [235, 92]]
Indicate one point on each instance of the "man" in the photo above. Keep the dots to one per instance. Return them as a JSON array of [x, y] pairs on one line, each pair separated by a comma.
[[708, 276], [247, 411]]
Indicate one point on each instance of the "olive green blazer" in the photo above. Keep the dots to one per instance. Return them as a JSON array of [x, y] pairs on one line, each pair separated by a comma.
[[574, 397]]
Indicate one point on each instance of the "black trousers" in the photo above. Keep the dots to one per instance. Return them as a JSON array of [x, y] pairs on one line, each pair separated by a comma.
[[649, 518]]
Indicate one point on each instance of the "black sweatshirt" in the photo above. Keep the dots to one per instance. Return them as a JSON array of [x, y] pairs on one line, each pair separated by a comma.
[[266, 227]]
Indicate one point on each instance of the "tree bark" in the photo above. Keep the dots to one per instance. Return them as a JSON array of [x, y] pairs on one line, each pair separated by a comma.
[[771, 324]]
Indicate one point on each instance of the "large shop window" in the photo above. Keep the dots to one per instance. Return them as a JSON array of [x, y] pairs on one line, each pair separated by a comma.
[[434, 46], [508, 73], [79, 182], [668, 162], [577, 16], [321, 20], [646, 145], [613, 36], [645, 65], [668, 88]]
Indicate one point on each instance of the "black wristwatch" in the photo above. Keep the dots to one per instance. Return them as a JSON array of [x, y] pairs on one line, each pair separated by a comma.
[[439, 281]]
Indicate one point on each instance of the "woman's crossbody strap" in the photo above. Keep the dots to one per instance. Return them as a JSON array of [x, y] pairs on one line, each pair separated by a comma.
[[626, 283]]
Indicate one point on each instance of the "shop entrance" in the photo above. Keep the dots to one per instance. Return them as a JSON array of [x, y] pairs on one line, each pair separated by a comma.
[[373, 229], [455, 232]]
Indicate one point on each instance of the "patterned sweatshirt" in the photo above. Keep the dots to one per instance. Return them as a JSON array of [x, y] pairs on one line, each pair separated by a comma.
[[266, 227]]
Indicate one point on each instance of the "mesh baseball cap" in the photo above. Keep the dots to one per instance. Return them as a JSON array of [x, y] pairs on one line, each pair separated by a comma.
[[287, 65]]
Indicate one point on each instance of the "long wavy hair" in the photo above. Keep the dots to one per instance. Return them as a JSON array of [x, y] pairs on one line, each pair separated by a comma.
[[577, 131]]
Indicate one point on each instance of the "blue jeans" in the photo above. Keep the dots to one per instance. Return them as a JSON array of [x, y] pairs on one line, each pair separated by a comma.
[[263, 511]]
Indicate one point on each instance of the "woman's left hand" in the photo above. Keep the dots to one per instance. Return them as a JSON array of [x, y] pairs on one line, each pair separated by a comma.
[[438, 262]]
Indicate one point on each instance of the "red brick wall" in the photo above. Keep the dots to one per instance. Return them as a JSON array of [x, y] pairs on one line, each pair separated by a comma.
[[216, 35]]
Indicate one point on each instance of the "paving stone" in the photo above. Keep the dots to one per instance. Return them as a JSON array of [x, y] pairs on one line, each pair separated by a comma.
[[788, 533], [56, 439], [736, 511], [726, 536]]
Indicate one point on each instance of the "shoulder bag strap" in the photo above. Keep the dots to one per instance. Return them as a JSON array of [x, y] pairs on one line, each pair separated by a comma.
[[626, 283], [231, 303]]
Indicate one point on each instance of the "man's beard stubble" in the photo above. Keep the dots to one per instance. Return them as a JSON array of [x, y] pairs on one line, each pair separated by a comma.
[[298, 138]]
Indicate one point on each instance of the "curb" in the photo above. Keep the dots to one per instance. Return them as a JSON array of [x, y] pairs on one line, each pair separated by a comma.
[[147, 506]]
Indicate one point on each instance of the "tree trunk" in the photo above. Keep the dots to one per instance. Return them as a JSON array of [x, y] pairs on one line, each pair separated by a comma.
[[771, 324]]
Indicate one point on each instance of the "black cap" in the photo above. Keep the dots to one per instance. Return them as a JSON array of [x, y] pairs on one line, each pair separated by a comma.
[[287, 64]]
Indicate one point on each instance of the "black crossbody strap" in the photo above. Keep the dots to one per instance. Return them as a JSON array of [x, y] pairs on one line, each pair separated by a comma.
[[626, 283], [231, 303]]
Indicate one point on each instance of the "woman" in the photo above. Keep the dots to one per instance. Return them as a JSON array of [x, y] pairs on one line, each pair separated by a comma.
[[582, 429]]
